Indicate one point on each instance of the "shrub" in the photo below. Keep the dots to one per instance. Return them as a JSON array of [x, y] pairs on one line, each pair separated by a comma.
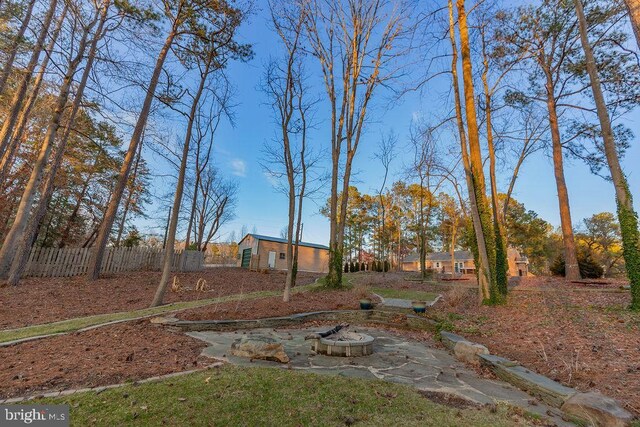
[[357, 266], [363, 266], [589, 269], [346, 267]]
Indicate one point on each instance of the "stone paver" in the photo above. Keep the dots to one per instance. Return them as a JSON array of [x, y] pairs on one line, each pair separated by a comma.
[[395, 359], [402, 303]]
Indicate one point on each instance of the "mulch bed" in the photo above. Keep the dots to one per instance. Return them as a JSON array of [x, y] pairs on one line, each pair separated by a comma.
[[108, 355], [587, 340], [135, 350], [43, 300], [274, 306]]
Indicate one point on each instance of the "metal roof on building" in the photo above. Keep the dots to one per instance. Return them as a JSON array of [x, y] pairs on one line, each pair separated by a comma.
[[281, 240]]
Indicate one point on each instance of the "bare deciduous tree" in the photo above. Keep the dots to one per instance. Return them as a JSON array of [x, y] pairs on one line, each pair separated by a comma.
[[357, 43], [213, 45], [287, 92]]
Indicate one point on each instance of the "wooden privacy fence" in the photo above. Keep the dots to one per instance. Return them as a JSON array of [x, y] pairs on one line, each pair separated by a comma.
[[65, 262]]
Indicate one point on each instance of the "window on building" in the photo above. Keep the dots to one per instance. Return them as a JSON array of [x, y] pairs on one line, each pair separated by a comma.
[[282, 255]]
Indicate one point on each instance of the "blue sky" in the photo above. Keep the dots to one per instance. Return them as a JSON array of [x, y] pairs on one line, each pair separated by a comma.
[[237, 154]]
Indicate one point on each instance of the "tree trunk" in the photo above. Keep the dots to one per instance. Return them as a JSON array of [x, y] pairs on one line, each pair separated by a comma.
[[454, 231], [634, 15], [21, 90], [74, 214], [423, 239], [8, 251], [95, 264], [475, 175], [25, 112], [502, 265], [21, 255], [130, 196], [177, 200], [572, 271], [13, 50], [626, 214], [303, 188], [334, 276]]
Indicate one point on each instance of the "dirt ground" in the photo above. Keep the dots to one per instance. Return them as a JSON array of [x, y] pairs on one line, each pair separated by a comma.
[[108, 355], [42, 300], [578, 334]]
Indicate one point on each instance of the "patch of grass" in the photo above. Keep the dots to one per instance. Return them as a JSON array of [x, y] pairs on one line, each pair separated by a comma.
[[405, 294], [265, 396], [455, 316], [78, 323], [443, 324]]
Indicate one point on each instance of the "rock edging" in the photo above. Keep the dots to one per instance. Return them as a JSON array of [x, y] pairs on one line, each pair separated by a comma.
[[592, 407], [389, 318]]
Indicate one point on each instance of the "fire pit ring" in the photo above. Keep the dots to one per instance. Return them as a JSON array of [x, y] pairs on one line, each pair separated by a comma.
[[343, 343]]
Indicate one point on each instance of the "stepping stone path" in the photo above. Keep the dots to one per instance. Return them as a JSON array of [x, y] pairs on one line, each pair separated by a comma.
[[395, 359]]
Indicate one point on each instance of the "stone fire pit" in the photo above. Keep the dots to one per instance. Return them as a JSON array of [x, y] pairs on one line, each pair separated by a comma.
[[341, 342]]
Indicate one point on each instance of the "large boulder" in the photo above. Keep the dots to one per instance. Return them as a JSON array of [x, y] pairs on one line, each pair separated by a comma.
[[598, 409], [259, 348], [468, 351]]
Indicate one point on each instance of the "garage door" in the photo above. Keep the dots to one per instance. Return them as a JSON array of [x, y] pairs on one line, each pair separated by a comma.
[[246, 258]]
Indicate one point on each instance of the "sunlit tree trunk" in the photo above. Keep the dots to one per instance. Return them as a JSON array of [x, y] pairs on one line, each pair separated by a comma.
[[627, 216], [95, 264], [23, 214], [572, 271], [502, 266], [25, 113], [21, 255], [15, 46], [21, 90], [475, 162], [634, 15]]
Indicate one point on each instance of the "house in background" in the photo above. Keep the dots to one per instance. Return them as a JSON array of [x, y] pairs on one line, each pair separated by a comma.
[[258, 252], [440, 262]]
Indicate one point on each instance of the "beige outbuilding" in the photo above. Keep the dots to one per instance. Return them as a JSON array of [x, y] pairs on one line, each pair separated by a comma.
[[258, 252]]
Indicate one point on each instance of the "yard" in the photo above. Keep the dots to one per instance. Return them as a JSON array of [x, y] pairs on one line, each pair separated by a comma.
[[135, 349], [578, 334]]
